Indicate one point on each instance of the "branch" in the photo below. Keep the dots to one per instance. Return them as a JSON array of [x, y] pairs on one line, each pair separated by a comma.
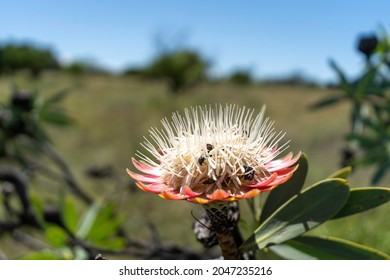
[[28, 240], [18, 181], [67, 174]]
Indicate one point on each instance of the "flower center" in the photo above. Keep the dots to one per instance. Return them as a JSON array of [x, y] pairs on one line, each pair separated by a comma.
[[227, 163]]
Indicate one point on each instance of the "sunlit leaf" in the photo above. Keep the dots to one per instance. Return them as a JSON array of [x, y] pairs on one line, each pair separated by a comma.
[[287, 252], [87, 221], [284, 192], [70, 214], [331, 248], [41, 255], [343, 173], [362, 199], [38, 209], [104, 230], [106, 213], [56, 236], [115, 243], [80, 253], [106, 224], [300, 214]]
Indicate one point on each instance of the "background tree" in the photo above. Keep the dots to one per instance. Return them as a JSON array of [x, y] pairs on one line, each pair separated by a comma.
[[26, 56], [180, 68]]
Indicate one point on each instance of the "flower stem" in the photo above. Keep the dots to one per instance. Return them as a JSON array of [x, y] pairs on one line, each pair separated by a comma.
[[228, 245], [222, 225]]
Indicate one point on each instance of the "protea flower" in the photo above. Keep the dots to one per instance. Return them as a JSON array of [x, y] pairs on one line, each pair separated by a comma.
[[213, 156]]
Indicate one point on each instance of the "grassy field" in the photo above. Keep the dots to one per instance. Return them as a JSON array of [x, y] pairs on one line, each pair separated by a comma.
[[112, 114]]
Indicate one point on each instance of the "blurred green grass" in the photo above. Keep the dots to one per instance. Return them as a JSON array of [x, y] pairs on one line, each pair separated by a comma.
[[112, 114]]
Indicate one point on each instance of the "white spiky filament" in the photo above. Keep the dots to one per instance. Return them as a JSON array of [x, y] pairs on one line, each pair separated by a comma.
[[213, 147]]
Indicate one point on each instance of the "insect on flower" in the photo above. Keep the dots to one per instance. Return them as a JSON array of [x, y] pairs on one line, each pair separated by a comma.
[[220, 153], [249, 173]]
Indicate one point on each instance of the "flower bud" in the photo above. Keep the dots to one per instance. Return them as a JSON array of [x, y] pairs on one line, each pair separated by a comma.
[[367, 45]]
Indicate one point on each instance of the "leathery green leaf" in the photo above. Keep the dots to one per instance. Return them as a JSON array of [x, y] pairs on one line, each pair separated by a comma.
[[362, 199], [284, 192], [343, 173], [301, 213], [331, 248]]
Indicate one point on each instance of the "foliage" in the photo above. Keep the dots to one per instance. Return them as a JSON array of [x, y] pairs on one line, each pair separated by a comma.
[[75, 225], [58, 228], [80, 67], [15, 57], [22, 120], [294, 212], [295, 78], [241, 77], [180, 68], [369, 135]]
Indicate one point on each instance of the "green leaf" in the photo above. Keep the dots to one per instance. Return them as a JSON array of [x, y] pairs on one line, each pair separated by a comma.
[[379, 173], [56, 236], [331, 248], [365, 141], [58, 96], [344, 84], [343, 173], [106, 224], [284, 192], [115, 243], [300, 214], [70, 214], [38, 209], [106, 213], [80, 253], [87, 221], [364, 83], [362, 199], [41, 255], [287, 252], [104, 230], [55, 116], [327, 102]]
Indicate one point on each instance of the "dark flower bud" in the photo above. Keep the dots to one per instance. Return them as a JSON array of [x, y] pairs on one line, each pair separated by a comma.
[[52, 215], [347, 156], [99, 172], [16, 127], [22, 100], [367, 44]]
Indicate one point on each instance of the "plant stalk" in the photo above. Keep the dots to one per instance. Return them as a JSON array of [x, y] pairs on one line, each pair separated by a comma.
[[222, 225]]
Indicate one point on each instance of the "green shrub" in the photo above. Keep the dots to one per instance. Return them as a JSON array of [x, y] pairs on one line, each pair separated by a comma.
[[179, 68], [241, 77], [15, 57]]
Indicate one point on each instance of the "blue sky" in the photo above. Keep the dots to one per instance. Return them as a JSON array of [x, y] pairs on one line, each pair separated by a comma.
[[271, 38]]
